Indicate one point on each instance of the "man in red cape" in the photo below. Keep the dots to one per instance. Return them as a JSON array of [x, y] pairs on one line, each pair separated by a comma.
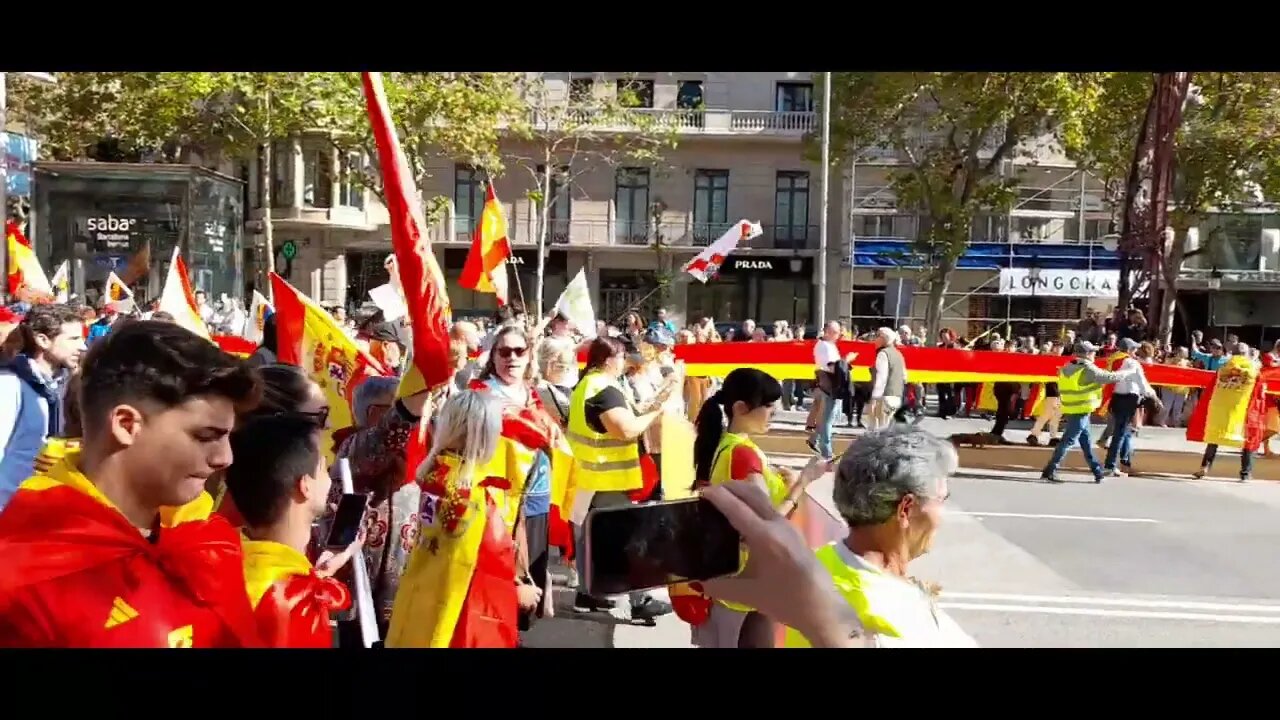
[[114, 546], [280, 483]]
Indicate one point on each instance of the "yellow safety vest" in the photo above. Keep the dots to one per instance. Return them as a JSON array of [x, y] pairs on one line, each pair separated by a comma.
[[721, 469], [601, 463], [1077, 396], [868, 592]]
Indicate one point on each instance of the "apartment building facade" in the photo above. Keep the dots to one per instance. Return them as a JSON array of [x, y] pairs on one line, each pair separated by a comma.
[[739, 154], [1049, 260]]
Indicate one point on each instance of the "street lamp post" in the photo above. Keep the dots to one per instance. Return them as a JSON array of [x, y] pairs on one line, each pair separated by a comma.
[[822, 219]]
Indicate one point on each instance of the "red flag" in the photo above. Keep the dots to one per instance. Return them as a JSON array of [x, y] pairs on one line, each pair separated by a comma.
[[420, 277]]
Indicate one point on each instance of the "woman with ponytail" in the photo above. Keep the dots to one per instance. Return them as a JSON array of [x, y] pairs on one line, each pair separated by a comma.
[[723, 451]]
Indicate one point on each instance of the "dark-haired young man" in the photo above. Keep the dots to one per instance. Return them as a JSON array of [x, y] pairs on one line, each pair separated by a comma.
[[113, 546], [279, 483], [31, 388]]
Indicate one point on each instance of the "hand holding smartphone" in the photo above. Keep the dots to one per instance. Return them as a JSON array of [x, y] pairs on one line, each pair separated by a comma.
[[348, 519], [638, 547]]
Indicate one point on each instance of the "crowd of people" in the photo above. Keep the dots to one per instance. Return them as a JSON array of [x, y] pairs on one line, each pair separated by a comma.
[[185, 494]]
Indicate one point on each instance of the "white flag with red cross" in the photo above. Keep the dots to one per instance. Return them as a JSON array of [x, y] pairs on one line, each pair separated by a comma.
[[707, 264]]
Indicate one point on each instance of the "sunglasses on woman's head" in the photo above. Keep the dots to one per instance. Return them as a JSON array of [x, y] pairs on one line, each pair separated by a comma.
[[319, 417], [507, 353]]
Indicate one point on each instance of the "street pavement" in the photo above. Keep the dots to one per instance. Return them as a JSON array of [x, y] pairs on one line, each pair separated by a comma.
[[1133, 562]]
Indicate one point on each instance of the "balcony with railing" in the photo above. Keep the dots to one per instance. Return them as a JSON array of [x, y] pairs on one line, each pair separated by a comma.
[[751, 123], [638, 234]]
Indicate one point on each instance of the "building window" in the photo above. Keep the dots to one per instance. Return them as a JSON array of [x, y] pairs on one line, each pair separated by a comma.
[[794, 97], [317, 176], [710, 205], [581, 91], [689, 95], [1038, 229], [351, 189], [468, 200], [635, 93], [791, 209], [281, 177], [1094, 229], [631, 200], [561, 207], [990, 228], [894, 227]]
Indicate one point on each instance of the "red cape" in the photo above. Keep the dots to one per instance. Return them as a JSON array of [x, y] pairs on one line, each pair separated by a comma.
[[294, 612], [65, 551]]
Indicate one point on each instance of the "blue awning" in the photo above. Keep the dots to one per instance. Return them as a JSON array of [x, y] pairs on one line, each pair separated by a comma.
[[991, 256]]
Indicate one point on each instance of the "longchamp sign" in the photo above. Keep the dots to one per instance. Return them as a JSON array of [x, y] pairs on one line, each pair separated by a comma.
[[1059, 283]]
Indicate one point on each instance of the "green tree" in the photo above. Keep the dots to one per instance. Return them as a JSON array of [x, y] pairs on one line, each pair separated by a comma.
[[1226, 157], [458, 117], [954, 131], [166, 115], [570, 137]]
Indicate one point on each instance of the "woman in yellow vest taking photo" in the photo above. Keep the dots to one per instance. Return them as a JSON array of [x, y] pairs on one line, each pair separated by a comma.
[[724, 451], [604, 431]]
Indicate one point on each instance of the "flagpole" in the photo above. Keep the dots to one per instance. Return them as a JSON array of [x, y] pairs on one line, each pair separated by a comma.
[[822, 219]]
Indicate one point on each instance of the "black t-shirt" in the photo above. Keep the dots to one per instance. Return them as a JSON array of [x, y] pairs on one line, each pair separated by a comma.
[[603, 402]]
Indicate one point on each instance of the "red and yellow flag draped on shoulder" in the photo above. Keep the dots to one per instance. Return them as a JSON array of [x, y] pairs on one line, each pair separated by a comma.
[[75, 573], [1232, 410], [291, 602]]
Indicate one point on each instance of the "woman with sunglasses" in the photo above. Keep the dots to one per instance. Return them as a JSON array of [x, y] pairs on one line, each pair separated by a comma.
[[605, 430], [529, 433]]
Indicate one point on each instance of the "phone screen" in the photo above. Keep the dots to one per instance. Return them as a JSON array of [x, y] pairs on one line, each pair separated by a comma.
[[347, 520], [639, 547]]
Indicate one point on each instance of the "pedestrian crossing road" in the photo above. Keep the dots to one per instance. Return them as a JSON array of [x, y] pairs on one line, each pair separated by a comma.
[[1132, 562]]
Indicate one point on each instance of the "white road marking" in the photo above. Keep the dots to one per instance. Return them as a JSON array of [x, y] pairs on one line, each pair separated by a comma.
[[1112, 602], [1100, 612], [1037, 516]]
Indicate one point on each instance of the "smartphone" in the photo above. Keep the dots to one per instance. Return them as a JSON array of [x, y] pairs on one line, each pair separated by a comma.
[[638, 547], [347, 521]]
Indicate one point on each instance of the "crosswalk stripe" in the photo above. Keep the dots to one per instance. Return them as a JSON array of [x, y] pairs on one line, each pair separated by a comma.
[[1112, 602], [1102, 612], [1042, 516]]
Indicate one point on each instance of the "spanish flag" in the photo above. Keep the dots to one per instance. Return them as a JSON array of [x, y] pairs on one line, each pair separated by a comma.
[[1233, 409], [419, 273], [486, 267], [177, 299], [24, 269], [308, 337], [458, 588]]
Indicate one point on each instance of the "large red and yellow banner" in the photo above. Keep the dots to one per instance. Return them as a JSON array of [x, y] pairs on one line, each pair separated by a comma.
[[794, 361]]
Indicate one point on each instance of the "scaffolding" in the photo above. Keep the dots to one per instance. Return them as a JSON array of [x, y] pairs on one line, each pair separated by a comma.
[[1058, 221]]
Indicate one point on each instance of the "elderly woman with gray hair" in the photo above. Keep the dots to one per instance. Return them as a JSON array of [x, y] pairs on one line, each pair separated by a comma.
[[890, 487]]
